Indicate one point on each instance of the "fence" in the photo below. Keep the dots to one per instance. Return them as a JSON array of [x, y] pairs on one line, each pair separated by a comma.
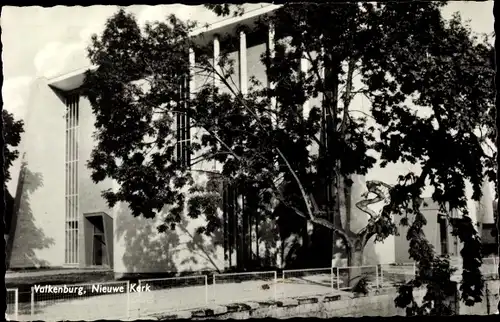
[[489, 267], [237, 287], [394, 275], [348, 276], [12, 299], [170, 294], [80, 301], [314, 281], [120, 300]]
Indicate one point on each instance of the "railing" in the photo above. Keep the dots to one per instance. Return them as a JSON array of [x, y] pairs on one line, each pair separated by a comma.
[[489, 267], [394, 275], [12, 301], [238, 287], [347, 276], [181, 293], [80, 301], [126, 300], [313, 281]]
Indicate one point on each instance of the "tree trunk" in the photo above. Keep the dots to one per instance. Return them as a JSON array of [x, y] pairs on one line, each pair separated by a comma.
[[341, 219], [355, 260]]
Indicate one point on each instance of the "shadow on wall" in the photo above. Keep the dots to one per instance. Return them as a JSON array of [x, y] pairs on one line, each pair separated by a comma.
[[148, 251], [268, 241], [25, 237]]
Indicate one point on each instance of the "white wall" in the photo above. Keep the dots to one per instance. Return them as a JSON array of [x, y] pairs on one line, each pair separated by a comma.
[[140, 248], [40, 237]]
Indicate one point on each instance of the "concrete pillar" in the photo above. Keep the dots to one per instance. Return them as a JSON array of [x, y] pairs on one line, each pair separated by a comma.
[[192, 83], [304, 68], [243, 64], [218, 72], [270, 47], [216, 45], [271, 51]]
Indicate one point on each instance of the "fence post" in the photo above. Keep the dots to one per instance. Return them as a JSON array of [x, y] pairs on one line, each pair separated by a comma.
[[139, 313], [495, 267], [16, 304], [282, 285], [213, 289], [32, 302], [331, 278], [381, 275], [206, 289], [128, 299], [376, 273], [275, 285], [338, 279]]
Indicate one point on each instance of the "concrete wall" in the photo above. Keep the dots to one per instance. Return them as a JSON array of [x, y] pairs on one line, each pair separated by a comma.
[[486, 306], [39, 237], [335, 306], [311, 307], [380, 305], [89, 194]]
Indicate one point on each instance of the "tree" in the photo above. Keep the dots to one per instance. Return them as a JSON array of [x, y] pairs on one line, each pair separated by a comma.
[[11, 130], [406, 58]]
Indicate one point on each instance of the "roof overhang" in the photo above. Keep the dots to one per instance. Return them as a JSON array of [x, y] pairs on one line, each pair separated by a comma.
[[74, 79], [71, 80]]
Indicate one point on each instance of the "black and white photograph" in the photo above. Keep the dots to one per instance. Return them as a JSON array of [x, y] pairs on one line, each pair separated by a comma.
[[253, 160]]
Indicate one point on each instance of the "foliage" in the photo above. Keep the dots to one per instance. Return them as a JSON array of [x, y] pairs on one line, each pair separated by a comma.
[[12, 130], [361, 286], [406, 57], [436, 277]]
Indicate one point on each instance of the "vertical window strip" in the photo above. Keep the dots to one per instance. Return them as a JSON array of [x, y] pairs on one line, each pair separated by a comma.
[[188, 123], [185, 126], [77, 139], [178, 135], [72, 180], [182, 125], [191, 85], [71, 157]]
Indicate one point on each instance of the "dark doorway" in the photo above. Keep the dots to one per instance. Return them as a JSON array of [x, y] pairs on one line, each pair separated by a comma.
[[99, 245], [97, 236]]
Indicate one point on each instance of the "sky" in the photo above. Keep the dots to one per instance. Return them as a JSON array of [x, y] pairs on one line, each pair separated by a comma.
[[47, 42]]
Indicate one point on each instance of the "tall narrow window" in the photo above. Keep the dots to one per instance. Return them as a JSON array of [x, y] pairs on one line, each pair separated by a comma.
[[443, 234], [72, 135], [182, 125]]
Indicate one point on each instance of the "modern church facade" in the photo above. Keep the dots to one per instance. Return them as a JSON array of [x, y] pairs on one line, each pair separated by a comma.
[[61, 220]]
